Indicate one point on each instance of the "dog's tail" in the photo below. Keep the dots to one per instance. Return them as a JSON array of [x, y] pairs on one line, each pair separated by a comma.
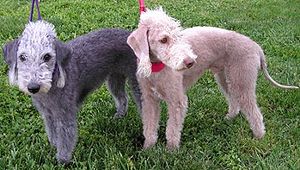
[[267, 75]]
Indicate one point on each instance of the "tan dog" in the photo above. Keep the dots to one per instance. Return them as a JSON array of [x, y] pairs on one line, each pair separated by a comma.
[[233, 58]]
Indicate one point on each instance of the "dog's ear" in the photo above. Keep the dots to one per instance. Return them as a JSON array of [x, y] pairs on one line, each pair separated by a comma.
[[138, 41], [62, 56], [10, 57]]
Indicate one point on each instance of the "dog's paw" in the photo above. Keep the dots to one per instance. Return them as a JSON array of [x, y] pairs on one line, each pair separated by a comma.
[[230, 116], [172, 146], [119, 115], [65, 160], [52, 142], [259, 134], [148, 145]]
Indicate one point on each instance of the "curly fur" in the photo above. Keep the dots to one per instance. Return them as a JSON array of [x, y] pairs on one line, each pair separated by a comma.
[[75, 69], [154, 26], [233, 58], [36, 40]]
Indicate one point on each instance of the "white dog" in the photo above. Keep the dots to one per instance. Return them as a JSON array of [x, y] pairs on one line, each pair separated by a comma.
[[233, 58]]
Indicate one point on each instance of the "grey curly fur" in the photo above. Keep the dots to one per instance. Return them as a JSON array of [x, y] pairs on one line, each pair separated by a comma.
[[75, 69]]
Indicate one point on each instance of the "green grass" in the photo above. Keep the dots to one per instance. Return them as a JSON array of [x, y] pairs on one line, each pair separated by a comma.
[[208, 141]]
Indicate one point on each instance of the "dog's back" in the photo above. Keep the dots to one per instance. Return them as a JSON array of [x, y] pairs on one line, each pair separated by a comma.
[[218, 42], [103, 48], [97, 55], [216, 47]]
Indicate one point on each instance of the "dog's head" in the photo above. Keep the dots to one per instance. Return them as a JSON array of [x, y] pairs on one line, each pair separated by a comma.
[[159, 36], [33, 58]]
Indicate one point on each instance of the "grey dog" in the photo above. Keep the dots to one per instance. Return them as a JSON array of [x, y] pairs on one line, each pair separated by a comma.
[[58, 76]]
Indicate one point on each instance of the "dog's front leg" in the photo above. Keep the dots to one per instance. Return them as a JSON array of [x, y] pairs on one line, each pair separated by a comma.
[[49, 120], [66, 129], [50, 127], [177, 103], [150, 115]]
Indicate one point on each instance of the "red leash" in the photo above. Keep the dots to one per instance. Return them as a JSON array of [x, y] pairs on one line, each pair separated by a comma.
[[156, 66], [142, 6]]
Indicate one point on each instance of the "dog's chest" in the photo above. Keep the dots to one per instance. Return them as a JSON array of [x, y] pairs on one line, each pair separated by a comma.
[[160, 86], [157, 92]]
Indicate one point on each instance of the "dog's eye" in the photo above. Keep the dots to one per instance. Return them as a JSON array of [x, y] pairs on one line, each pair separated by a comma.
[[164, 40], [22, 57], [47, 57]]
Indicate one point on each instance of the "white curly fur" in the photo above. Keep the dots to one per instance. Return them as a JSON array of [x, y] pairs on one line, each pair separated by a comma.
[[233, 58], [36, 41], [158, 19], [173, 53]]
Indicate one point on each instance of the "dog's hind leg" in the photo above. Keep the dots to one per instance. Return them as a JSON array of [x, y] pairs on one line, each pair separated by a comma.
[[232, 101], [253, 114], [116, 86], [234, 108], [242, 88], [136, 91], [221, 80]]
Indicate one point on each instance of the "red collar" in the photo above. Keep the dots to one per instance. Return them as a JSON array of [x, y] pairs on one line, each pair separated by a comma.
[[157, 66]]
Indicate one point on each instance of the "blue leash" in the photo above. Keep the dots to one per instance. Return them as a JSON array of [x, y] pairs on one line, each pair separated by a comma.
[[32, 8]]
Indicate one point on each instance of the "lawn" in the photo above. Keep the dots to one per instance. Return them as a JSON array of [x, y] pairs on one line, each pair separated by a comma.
[[208, 140]]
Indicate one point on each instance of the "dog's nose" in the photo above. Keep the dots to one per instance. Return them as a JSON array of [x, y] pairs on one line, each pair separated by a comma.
[[188, 63], [33, 88]]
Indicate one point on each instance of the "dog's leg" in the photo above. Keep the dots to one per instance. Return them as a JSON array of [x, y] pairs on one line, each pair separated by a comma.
[[177, 103], [116, 85], [66, 128], [190, 79], [176, 111], [233, 109], [221, 80], [253, 114], [137, 94], [50, 128], [242, 90], [48, 119], [233, 104], [150, 115], [150, 118]]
